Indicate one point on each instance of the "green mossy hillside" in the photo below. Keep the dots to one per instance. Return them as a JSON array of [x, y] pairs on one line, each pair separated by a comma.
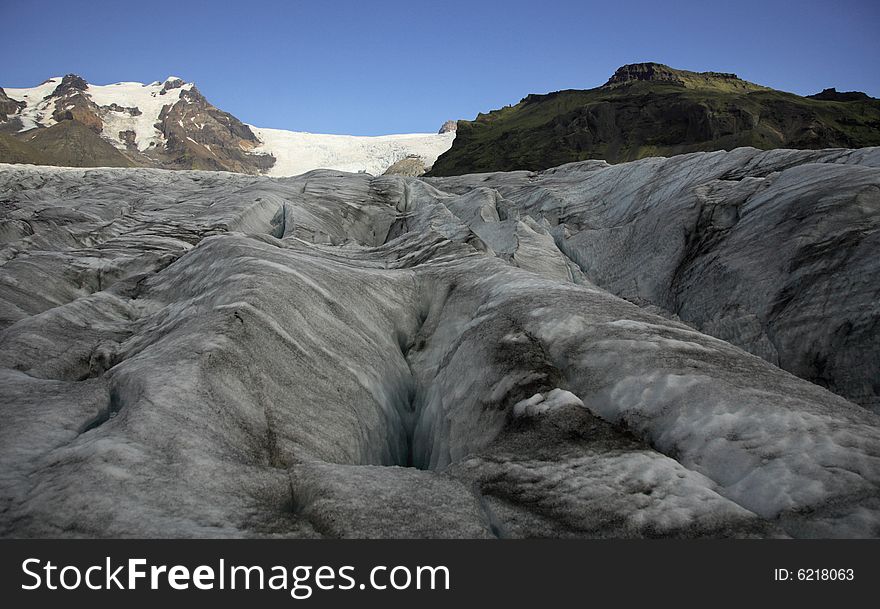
[[653, 110]]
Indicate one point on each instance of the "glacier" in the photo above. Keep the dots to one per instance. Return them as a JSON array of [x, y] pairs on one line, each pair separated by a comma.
[[588, 351]]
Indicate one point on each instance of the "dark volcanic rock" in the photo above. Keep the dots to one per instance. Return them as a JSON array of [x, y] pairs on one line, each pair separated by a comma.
[[73, 104], [114, 107], [70, 84], [654, 72], [170, 84], [833, 94], [8, 106], [657, 72], [199, 135], [127, 137]]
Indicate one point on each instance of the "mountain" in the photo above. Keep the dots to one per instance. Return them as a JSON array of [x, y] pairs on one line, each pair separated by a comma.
[[210, 354], [649, 109], [170, 124]]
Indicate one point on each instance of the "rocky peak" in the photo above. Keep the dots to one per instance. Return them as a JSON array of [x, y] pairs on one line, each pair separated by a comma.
[[643, 71], [833, 94], [72, 103], [71, 83], [197, 134], [172, 82], [193, 96], [658, 72], [448, 126]]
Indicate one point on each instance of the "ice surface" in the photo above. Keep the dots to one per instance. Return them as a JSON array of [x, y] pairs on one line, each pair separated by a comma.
[[336, 354], [298, 152]]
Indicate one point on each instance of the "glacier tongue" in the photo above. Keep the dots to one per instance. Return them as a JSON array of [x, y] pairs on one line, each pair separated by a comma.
[[208, 354], [298, 152]]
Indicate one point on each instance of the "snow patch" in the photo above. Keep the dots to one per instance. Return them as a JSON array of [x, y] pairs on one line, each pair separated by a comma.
[[38, 111], [145, 98]]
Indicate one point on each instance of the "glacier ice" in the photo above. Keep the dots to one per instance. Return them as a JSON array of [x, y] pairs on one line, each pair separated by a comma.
[[589, 351]]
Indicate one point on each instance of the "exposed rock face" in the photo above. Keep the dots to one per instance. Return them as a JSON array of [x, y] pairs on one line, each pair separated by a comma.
[[649, 110], [77, 107], [200, 136], [72, 104], [657, 72], [130, 111], [207, 354], [833, 94], [70, 85], [8, 106], [448, 126], [412, 166], [644, 71], [171, 83], [128, 137]]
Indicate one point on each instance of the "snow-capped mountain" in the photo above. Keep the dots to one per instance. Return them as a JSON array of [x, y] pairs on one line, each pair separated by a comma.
[[170, 124]]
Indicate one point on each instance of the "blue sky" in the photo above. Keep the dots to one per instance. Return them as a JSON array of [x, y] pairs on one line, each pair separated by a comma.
[[393, 67]]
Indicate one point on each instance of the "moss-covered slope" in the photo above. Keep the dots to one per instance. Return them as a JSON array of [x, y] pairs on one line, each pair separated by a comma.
[[654, 110]]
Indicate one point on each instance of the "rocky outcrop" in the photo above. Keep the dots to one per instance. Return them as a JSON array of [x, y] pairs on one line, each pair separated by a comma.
[[653, 72], [448, 127], [194, 354], [833, 94], [71, 84], [659, 73], [127, 137], [170, 84], [8, 106], [130, 111], [412, 166]]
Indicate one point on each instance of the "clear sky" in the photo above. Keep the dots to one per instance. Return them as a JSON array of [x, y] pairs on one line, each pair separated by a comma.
[[366, 68]]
